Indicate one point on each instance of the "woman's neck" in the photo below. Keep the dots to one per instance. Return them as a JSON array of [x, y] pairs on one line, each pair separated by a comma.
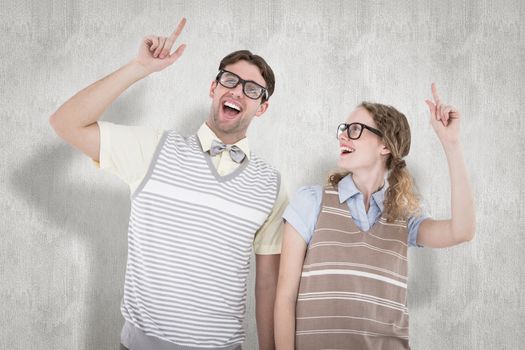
[[368, 183]]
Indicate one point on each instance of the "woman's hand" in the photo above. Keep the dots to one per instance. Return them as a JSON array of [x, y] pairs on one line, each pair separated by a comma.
[[461, 226], [155, 51], [444, 119]]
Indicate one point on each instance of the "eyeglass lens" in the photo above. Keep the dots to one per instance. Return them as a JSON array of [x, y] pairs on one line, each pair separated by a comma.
[[353, 130], [251, 89]]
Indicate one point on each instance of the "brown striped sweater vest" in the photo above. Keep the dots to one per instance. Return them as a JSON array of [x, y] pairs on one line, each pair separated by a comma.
[[353, 288]]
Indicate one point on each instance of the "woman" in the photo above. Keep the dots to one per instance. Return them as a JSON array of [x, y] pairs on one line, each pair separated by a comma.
[[343, 274]]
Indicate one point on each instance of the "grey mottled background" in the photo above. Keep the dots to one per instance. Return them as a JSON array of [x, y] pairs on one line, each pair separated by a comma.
[[63, 223]]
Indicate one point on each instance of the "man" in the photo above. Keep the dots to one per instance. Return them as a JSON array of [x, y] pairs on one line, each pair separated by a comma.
[[199, 204]]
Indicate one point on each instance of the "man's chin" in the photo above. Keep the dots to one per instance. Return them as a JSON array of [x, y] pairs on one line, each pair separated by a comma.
[[224, 121], [229, 117], [227, 126]]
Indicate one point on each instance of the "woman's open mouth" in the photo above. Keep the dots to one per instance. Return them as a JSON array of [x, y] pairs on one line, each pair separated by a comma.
[[346, 150]]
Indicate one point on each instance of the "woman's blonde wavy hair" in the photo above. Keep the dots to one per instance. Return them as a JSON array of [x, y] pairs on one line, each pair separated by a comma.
[[401, 199]]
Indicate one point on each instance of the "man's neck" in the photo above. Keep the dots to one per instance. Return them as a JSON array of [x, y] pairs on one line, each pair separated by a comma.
[[228, 139]]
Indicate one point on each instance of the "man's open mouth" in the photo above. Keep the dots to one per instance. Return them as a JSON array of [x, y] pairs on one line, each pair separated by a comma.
[[231, 109]]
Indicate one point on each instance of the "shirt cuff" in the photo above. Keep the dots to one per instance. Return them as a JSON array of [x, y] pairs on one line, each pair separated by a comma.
[[268, 249], [413, 231], [104, 160]]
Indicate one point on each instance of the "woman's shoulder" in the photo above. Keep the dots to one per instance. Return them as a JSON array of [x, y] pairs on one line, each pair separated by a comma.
[[311, 193], [303, 209], [306, 202]]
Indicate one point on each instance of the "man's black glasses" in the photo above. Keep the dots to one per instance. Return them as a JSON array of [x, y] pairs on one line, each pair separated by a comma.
[[250, 88]]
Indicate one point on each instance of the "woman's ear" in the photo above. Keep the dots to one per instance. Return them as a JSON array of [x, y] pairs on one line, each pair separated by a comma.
[[384, 150]]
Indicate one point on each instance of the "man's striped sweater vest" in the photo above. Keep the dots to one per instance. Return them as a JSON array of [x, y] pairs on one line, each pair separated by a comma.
[[190, 240]]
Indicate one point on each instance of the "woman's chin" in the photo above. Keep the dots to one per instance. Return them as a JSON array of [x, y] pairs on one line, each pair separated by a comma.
[[343, 165]]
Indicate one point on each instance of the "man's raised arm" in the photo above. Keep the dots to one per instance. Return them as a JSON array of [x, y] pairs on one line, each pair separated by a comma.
[[76, 120]]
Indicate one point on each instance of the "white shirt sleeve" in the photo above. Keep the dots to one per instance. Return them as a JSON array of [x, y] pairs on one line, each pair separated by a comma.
[[268, 238], [127, 151]]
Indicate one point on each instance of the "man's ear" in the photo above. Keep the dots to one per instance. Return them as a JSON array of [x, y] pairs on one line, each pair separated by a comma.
[[212, 88], [262, 108]]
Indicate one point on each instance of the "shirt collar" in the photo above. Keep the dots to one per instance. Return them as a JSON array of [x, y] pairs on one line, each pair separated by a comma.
[[206, 137], [347, 189]]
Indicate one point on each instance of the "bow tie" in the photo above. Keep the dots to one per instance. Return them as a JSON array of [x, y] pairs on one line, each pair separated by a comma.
[[236, 154]]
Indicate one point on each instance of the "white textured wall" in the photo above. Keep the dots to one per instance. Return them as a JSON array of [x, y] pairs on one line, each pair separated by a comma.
[[63, 223]]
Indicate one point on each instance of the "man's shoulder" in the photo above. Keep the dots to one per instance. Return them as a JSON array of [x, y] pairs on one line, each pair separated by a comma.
[[177, 136], [262, 164]]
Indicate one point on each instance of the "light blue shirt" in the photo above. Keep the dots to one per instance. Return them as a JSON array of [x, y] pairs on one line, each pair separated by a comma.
[[305, 205]]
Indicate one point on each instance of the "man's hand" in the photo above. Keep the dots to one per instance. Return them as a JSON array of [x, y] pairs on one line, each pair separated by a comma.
[[155, 51], [76, 120]]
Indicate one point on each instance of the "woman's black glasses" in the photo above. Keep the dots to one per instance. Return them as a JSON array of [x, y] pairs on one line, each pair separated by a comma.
[[354, 130]]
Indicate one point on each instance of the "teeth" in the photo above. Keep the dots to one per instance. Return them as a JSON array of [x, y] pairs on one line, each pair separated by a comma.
[[347, 149], [231, 105]]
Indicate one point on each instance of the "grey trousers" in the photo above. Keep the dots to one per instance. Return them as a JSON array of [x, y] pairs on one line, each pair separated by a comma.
[[122, 347]]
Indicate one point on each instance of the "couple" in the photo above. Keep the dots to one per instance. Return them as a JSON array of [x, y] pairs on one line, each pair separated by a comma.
[[200, 204]]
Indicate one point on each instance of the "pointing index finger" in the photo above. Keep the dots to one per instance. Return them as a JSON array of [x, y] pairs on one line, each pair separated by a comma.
[[434, 93], [177, 31]]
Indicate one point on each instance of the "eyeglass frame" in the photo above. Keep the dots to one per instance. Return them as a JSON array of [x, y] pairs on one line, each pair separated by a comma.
[[264, 91], [363, 127]]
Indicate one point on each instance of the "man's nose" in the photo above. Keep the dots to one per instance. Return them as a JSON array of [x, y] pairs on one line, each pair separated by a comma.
[[237, 91]]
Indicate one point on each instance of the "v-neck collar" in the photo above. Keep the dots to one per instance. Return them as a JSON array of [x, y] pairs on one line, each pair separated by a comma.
[[347, 189], [213, 169], [206, 137]]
